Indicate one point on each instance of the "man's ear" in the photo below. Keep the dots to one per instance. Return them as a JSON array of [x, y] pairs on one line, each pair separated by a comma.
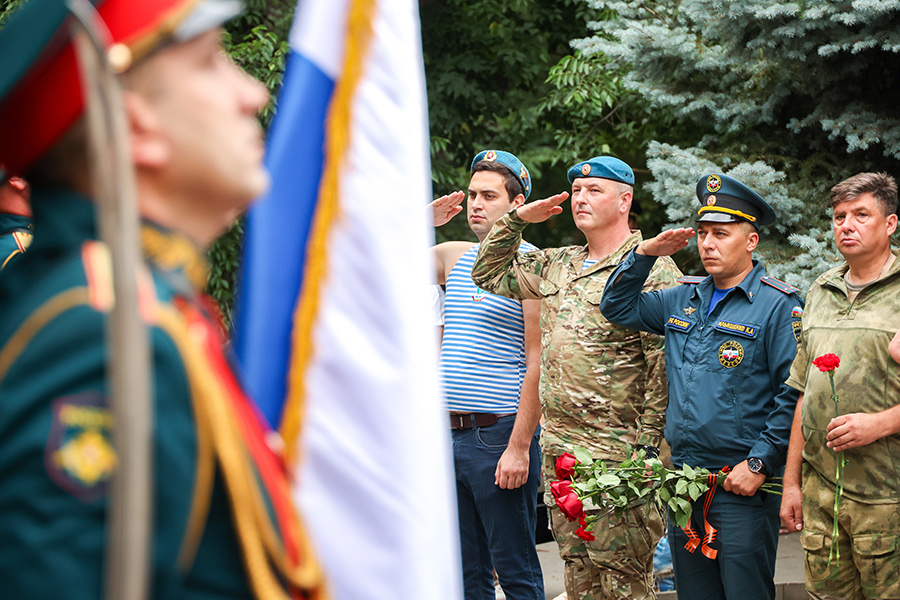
[[625, 200], [752, 241], [149, 145], [519, 200], [892, 224]]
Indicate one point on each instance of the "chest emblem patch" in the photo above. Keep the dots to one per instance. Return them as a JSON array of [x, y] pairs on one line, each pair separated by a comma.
[[478, 296], [79, 456], [731, 353], [689, 311]]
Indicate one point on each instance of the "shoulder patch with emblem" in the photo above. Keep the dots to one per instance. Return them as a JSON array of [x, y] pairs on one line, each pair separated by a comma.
[[690, 279], [797, 328], [79, 456], [779, 285]]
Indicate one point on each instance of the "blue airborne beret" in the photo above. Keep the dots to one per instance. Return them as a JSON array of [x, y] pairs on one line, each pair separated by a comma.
[[606, 167], [508, 160], [727, 200]]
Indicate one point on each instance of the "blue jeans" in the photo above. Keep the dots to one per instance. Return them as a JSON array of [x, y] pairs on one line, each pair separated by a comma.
[[747, 541], [496, 526]]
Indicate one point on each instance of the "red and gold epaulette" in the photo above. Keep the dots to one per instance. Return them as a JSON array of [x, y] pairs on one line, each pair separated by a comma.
[[779, 285], [690, 279]]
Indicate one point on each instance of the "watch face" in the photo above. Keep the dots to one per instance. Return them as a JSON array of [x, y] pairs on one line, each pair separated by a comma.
[[754, 464]]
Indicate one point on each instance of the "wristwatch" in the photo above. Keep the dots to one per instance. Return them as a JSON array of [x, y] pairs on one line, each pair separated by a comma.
[[756, 465]]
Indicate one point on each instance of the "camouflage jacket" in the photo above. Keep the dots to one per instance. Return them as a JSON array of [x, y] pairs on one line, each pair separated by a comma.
[[868, 380], [602, 386]]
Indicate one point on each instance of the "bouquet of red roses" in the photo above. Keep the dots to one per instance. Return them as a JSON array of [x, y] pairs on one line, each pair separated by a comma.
[[585, 483]]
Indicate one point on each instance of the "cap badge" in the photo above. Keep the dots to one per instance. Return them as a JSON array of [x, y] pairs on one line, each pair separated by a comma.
[[585, 169], [711, 200], [523, 175], [713, 184], [491, 155]]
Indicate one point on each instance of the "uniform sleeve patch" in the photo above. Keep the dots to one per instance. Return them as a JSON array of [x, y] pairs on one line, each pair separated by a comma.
[[79, 456], [678, 323], [779, 285], [797, 327], [744, 329]]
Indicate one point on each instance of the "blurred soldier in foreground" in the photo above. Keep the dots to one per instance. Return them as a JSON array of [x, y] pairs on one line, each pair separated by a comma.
[[602, 387], [224, 523]]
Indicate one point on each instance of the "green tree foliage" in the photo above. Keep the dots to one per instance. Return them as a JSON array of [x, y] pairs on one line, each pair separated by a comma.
[[789, 97], [501, 74]]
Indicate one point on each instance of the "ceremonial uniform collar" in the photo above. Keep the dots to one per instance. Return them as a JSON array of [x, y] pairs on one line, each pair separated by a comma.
[[65, 219]]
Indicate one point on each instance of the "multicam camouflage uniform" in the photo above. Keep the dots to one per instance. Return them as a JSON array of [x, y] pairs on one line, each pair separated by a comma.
[[867, 381], [602, 387]]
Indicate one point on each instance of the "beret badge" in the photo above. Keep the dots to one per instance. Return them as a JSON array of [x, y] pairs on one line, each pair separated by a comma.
[[585, 169], [490, 156]]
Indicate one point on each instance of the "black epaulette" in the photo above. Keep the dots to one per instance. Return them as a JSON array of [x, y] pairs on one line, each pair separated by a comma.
[[691, 279], [779, 285]]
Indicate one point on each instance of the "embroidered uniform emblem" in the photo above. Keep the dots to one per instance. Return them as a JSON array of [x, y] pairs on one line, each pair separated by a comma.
[[713, 184], [796, 312], [585, 169], [711, 200], [689, 311], [731, 353], [797, 328], [680, 324], [491, 155], [478, 296], [79, 456]]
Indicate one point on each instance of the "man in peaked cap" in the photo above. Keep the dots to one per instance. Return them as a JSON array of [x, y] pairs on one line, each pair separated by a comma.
[[602, 387], [223, 522], [730, 339], [489, 367]]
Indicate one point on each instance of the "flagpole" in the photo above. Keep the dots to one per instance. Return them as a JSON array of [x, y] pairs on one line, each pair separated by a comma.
[[129, 513]]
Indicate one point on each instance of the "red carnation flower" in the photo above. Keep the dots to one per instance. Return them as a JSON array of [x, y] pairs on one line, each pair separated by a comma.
[[584, 534], [827, 362], [565, 466], [566, 499]]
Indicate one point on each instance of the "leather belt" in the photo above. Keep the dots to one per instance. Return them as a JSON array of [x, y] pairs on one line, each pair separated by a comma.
[[470, 420]]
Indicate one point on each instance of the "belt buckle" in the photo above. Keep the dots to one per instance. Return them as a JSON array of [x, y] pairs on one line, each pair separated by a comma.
[[457, 421]]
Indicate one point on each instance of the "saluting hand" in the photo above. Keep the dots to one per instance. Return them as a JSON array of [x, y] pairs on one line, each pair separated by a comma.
[[446, 207], [666, 243], [541, 210]]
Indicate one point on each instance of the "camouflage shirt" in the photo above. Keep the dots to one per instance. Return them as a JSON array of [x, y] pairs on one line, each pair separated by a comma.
[[868, 379], [602, 386]]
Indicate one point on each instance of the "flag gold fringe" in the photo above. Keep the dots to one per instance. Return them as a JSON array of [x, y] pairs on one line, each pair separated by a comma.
[[337, 142]]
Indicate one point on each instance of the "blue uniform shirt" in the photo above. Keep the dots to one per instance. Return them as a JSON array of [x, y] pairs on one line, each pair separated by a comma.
[[726, 370]]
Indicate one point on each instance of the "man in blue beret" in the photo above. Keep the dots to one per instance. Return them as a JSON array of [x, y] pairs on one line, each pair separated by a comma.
[[730, 340], [602, 387], [223, 522], [489, 367]]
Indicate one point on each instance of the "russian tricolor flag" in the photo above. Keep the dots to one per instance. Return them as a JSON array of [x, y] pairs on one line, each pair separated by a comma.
[[333, 330]]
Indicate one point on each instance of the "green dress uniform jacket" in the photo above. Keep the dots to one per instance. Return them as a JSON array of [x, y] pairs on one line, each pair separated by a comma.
[[56, 456], [15, 237]]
